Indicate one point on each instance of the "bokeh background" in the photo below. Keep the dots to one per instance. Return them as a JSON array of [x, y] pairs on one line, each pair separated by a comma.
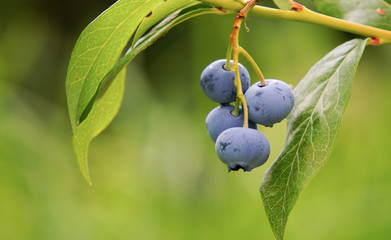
[[154, 170]]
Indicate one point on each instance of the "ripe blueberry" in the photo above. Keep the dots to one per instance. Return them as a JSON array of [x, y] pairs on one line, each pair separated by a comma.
[[221, 118], [242, 148], [269, 104], [218, 82]]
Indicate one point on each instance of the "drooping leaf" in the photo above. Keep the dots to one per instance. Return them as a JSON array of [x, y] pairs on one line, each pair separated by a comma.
[[320, 100], [102, 113], [160, 12], [97, 50], [284, 4], [106, 99], [375, 13]]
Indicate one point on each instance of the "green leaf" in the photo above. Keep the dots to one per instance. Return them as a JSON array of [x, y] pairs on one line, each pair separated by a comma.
[[102, 113], [320, 100], [98, 49], [106, 100], [367, 12], [284, 4], [157, 31], [160, 12]]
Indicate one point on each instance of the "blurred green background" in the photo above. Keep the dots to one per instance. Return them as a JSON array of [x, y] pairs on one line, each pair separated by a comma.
[[154, 170]]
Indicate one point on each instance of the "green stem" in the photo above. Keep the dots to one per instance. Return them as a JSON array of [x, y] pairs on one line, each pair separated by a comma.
[[305, 15], [236, 111], [308, 16], [234, 44], [254, 65], [243, 99]]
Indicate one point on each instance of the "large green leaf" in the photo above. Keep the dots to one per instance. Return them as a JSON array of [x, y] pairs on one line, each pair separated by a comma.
[[97, 50], [106, 99], [367, 12], [320, 100]]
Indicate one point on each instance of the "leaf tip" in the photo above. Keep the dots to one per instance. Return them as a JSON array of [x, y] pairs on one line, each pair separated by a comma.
[[86, 175]]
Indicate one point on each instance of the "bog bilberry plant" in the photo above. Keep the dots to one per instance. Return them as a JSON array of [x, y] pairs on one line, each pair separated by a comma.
[[96, 74]]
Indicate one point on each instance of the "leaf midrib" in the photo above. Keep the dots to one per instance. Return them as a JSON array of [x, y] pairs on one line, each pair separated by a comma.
[[304, 133], [98, 54]]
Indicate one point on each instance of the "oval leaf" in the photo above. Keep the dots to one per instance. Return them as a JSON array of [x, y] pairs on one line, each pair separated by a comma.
[[373, 13], [107, 99], [97, 50], [320, 100]]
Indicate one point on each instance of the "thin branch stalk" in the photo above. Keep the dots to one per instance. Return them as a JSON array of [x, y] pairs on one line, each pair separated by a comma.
[[308, 16]]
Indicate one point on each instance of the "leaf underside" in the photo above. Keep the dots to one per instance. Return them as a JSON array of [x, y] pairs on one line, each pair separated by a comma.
[[320, 100], [98, 49], [96, 76], [375, 13]]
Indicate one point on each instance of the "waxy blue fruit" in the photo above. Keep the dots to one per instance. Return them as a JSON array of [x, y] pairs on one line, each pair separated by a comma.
[[218, 82], [242, 148], [269, 104], [221, 118]]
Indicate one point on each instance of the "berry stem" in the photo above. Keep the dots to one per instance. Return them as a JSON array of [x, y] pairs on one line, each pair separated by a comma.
[[227, 65], [254, 65], [236, 111], [234, 42], [242, 98]]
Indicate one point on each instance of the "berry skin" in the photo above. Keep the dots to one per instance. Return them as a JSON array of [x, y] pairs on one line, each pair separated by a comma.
[[218, 83], [242, 148], [221, 118], [269, 104]]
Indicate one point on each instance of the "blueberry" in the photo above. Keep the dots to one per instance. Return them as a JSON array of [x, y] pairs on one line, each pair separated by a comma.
[[269, 104], [242, 148], [218, 82], [221, 118]]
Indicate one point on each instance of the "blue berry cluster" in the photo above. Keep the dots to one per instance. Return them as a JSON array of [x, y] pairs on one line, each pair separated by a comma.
[[236, 146]]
